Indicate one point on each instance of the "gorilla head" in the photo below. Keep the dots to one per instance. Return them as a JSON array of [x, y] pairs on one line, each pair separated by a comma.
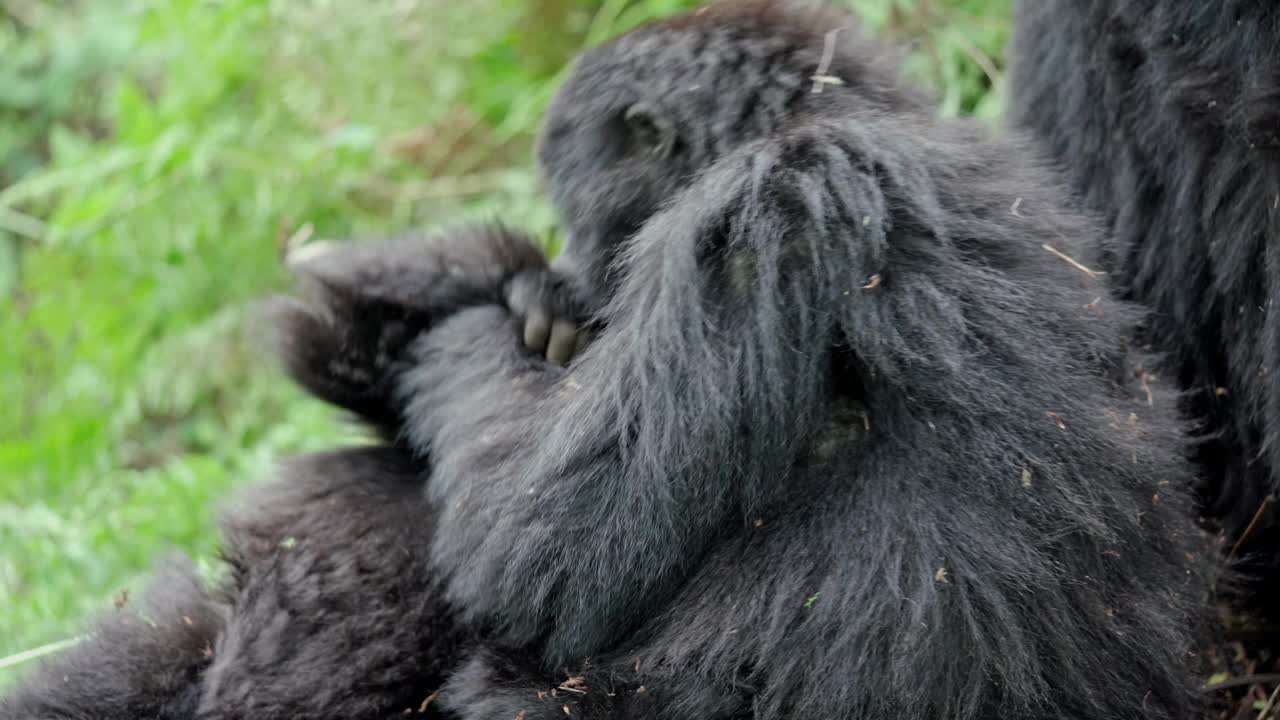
[[643, 114]]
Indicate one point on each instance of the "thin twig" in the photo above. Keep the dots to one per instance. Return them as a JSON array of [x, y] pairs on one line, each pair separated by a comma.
[[980, 58], [1242, 681], [1253, 524], [1271, 704], [37, 653], [823, 75], [1070, 260]]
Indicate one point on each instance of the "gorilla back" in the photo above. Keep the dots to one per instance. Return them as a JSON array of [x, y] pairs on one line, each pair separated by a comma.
[[856, 438], [1167, 115]]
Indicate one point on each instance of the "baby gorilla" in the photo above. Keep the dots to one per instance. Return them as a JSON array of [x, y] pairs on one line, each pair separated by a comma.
[[856, 436], [327, 612]]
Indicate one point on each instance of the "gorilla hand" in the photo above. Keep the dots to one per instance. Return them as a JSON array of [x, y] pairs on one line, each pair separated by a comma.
[[343, 338], [549, 320]]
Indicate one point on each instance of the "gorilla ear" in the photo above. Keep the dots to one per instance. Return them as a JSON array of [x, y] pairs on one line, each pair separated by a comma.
[[651, 130]]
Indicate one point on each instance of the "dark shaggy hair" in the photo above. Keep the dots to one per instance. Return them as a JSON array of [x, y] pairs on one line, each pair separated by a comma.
[[1166, 113], [328, 611], [856, 439]]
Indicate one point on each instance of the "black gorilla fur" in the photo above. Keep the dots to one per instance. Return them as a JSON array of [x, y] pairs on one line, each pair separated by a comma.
[[1167, 115], [855, 438], [838, 321], [328, 612], [334, 614], [697, 503]]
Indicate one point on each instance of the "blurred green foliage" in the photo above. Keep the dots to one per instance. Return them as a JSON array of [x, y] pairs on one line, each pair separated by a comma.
[[155, 158]]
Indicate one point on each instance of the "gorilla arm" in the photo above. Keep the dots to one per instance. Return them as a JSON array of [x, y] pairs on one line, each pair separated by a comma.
[[573, 501], [370, 298]]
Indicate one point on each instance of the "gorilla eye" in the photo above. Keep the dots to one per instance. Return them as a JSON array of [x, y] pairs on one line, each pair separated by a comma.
[[648, 129]]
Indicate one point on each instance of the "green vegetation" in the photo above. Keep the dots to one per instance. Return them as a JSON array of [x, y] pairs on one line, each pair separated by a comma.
[[155, 157]]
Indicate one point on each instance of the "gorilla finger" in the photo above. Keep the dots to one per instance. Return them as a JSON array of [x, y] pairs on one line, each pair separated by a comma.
[[518, 295], [563, 341], [584, 339], [537, 331]]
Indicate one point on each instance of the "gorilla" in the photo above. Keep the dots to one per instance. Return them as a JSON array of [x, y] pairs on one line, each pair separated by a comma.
[[1166, 114], [327, 609], [856, 436], [856, 433], [327, 612]]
